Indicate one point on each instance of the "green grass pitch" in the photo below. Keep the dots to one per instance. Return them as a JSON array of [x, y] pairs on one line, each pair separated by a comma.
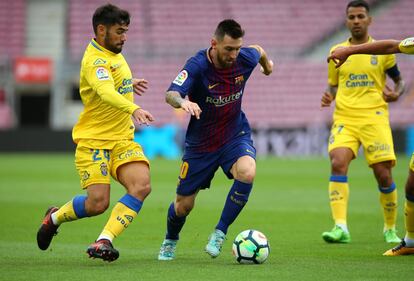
[[289, 203]]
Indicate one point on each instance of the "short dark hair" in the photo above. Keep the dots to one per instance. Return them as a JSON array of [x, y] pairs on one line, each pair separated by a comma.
[[358, 3], [229, 27], [109, 15]]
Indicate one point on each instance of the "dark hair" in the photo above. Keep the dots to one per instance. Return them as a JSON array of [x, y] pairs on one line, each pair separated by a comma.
[[109, 15], [358, 3], [229, 27]]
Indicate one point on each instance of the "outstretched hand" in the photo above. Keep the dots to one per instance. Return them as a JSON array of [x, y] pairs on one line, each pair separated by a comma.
[[192, 108], [142, 116], [139, 85], [339, 56]]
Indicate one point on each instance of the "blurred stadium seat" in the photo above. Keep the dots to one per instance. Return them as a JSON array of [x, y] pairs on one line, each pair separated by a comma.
[[164, 33]]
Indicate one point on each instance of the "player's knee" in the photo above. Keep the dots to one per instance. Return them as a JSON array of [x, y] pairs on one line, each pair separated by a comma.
[[144, 190], [183, 210], [338, 167], [246, 175], [140, 190], [384, 180]]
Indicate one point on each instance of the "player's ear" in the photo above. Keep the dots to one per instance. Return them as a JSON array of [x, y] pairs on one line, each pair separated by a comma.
[[369, 20], [213, 43], [100, 30]]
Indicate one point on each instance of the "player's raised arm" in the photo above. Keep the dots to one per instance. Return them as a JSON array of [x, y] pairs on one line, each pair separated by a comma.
[[266, 64], [174, 99], [381, 47]]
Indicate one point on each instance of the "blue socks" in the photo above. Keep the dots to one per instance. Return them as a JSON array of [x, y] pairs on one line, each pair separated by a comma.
[[174, 224], [236, 199]]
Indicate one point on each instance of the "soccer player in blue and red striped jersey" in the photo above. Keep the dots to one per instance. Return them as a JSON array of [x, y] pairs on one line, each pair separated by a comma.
[[218, 134]]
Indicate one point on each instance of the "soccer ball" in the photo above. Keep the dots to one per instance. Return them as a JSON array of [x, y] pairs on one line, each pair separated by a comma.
[[251, 246]]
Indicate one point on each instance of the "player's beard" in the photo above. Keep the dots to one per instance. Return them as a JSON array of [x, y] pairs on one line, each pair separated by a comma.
[[358, 34], [110, 46], [223, 63]]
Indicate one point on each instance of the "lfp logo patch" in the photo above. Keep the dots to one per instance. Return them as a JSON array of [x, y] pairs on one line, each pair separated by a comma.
[[181, 77], [102, 73]]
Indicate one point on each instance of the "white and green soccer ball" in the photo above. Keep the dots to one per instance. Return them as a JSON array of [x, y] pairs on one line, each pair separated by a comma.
[[251, 246]]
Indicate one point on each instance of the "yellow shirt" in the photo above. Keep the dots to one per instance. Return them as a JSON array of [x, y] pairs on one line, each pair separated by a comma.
[[407, 46], [360, 81], [107, 94]]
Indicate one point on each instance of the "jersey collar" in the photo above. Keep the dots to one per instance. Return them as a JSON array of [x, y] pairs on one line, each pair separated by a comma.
[[370, 39], [100, 48]]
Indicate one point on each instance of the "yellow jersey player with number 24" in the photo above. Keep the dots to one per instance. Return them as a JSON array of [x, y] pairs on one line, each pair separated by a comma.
[[104, 137]]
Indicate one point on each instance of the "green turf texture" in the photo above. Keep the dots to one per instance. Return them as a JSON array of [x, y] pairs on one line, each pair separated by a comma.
[[289, 203]]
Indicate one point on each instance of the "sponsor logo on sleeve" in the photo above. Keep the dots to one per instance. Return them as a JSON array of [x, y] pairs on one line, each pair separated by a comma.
[[181, 77], [102, 73]]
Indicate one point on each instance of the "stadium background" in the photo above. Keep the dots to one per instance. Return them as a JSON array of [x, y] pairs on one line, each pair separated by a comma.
[[42, 42]]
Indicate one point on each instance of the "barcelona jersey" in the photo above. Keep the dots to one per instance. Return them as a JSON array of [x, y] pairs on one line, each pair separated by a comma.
[[218, 93], [107, 94], [361, 80]]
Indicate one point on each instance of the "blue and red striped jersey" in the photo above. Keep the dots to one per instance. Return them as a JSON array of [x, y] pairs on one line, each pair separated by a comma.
[[219, 93]]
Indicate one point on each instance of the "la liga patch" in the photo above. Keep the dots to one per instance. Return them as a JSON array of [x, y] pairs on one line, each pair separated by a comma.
[[102, 73], [181, 77]]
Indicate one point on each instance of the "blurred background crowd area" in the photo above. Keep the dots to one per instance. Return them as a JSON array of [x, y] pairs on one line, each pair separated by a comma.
[[42, 43]]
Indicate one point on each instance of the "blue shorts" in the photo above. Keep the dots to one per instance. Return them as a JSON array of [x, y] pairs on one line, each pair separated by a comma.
[[198, 169]]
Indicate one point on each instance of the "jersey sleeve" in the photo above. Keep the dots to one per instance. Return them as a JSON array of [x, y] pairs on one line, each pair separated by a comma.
[[332, 74], [406, 46], [250, 55], [100, 79], [185, 79], [390, 61]]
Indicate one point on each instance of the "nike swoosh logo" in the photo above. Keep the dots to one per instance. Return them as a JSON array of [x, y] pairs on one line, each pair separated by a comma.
[[248, 150], [240, 194], [212, 86]]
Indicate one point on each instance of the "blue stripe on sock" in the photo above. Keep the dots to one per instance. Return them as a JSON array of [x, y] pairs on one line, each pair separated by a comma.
[[131, 202], [387, 190], [338, 178], [79, 206], [409, 197]]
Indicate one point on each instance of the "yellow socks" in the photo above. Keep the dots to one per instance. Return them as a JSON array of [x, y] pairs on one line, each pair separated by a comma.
[[338, 197], [122, 215], [73, 210], [388, 200], [409, 219]]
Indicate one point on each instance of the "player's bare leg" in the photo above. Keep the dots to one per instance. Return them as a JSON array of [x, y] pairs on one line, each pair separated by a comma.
[[134, 176]]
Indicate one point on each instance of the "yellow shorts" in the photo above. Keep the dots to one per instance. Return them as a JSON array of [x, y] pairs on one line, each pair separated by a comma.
[[96, 165], [376, 139]]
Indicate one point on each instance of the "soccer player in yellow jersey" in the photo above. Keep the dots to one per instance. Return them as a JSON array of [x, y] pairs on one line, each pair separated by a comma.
[[361, 118], [406, 46], [104, 138]]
